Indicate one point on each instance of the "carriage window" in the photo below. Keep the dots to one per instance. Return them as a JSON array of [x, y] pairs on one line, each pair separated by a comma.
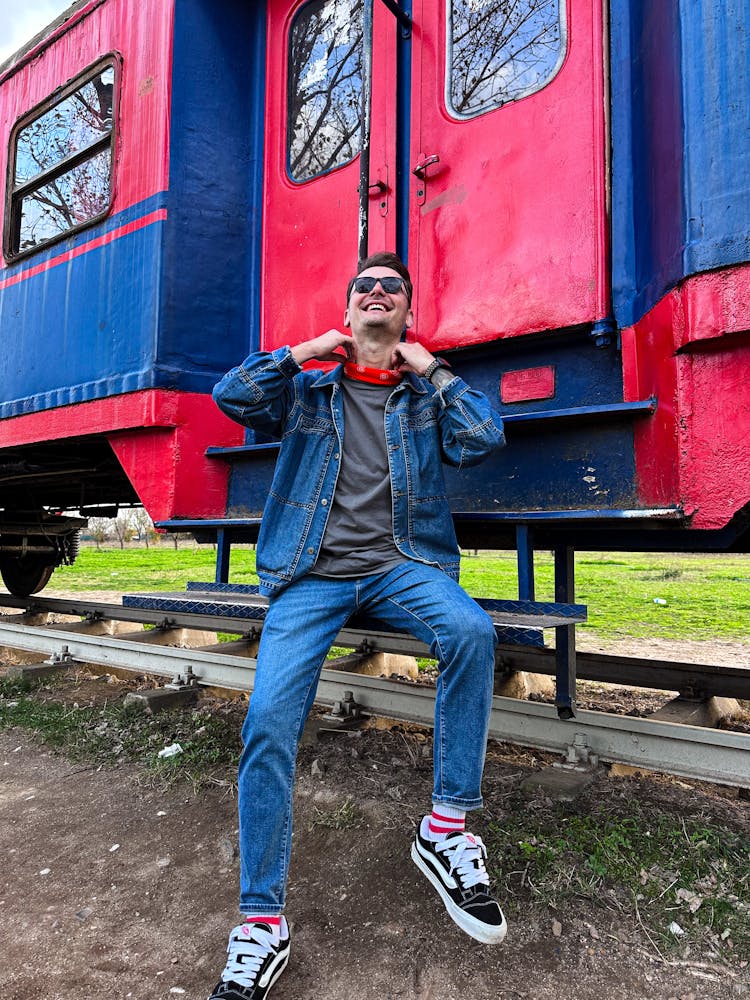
[[61, 162], [500, 51], [325, 87]]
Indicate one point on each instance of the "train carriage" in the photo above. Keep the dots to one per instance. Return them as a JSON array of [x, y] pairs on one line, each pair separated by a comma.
[[189, 181]]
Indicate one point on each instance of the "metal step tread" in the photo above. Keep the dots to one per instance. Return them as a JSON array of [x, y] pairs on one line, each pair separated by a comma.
[[244, 601], [250, 610]]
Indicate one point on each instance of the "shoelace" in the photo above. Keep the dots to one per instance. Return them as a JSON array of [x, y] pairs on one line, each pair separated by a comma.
[[247, 952], [465, 857]]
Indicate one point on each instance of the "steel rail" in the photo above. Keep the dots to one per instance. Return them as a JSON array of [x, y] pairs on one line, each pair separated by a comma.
[[697, 680], [687, 751], [693, 679]]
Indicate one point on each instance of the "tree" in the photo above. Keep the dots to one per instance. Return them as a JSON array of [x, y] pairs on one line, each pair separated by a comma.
[[142, 525], [100, 529], [122, 529], [64, 157], [501, 50], [325, 87]]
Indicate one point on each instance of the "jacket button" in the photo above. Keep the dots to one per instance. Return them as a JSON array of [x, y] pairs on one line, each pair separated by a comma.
[[324, 502], [310, 552]]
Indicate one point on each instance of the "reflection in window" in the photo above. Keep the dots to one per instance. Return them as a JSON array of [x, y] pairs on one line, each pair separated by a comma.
[[501, 50], [325, 87], [62, 165]]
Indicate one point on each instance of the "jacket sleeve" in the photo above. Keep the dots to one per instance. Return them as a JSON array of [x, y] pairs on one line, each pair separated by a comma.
[[470, 429], [260, 393]]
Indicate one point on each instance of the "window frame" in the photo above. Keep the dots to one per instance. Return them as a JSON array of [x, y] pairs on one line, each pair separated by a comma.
[[298, 181], [15, 194], [528, 92]]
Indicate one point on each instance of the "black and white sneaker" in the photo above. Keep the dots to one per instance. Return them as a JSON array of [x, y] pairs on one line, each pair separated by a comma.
[[257, 957], [455, 866]]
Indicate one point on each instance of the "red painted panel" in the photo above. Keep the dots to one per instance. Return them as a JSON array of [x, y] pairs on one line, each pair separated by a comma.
[[716, 305], [692, 351], [160, 439], [310, 229], [511, 235], [527, 384], [142, 34], [650, 369]]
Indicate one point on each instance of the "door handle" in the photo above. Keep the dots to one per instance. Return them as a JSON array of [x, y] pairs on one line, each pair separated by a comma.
[[420, 168]]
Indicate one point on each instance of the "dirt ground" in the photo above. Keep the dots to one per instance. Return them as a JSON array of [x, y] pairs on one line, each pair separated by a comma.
[[112, 888]]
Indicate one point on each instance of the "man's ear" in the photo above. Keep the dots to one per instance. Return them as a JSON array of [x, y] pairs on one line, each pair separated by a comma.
[[409, 321], [346, 317]]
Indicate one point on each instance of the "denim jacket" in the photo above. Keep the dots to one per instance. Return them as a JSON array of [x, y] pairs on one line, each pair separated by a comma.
[[423, 428]]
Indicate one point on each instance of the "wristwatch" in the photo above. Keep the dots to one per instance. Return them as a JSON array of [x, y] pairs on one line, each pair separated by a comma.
[[433, 367]]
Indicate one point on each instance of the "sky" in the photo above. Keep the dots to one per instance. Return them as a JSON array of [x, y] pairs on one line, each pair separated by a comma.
[[20, 21]]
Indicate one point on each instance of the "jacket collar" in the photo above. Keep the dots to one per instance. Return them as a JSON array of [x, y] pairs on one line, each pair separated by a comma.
[[334, 377]]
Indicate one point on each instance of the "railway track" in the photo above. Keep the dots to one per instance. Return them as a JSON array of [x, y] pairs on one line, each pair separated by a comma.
[[684, 750]]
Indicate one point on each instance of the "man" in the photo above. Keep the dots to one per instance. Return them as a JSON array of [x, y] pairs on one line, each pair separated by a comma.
[[357, 521]]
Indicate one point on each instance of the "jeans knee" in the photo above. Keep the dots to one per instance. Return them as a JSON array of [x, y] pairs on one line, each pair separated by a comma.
[[473, 638], [268, 724], [479, 631]]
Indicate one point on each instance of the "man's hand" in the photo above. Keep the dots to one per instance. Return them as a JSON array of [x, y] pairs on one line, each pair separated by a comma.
[[330, 346], [411, 357]]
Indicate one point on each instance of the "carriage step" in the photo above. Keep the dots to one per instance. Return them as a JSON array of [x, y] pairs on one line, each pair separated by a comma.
[[516, 622]]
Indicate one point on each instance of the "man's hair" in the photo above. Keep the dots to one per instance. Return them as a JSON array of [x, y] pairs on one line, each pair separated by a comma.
[[383, 259]]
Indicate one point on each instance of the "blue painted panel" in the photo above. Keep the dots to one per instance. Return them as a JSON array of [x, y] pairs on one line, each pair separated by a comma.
[[211, 257], [557, 465], [716, 95], [647, 140], [403, 139], [83, 329], [681, 145]]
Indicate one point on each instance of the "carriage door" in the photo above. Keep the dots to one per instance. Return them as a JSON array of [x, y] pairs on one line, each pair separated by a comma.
[[311, 217], [507, 206], [506, 216]]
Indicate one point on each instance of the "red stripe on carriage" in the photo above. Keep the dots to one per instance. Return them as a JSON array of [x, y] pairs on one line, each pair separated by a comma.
[[159, 215]]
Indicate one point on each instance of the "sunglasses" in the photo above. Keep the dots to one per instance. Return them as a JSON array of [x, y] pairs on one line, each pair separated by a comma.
[[390, 285]]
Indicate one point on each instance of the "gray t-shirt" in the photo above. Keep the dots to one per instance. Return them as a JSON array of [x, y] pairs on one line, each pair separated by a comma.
[[359, 534]]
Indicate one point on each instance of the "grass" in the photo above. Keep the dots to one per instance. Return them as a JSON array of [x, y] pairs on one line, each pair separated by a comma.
[[160, 567], [106, 735], [346, 817], [664, 872], [707, 596]]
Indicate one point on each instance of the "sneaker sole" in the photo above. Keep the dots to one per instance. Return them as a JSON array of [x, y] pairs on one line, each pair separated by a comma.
[[486, 933]]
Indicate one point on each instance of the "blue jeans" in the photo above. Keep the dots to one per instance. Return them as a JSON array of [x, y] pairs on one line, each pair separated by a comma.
[[301, 625]]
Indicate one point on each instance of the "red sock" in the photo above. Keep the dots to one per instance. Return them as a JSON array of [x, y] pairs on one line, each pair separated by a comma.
[[263, 918], [446, 820]]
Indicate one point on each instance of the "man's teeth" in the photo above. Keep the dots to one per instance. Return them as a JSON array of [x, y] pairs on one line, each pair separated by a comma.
[[376, 305]]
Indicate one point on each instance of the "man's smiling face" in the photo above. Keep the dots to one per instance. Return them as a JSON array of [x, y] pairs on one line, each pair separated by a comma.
[[378, 311]]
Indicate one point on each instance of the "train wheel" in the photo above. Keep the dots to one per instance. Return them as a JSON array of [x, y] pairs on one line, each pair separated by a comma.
[[25, 575]]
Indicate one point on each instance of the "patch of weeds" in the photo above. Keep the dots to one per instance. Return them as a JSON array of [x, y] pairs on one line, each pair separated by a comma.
[[656, 869], [667, 574], [108, 735], [346, 817], [10, 689]]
